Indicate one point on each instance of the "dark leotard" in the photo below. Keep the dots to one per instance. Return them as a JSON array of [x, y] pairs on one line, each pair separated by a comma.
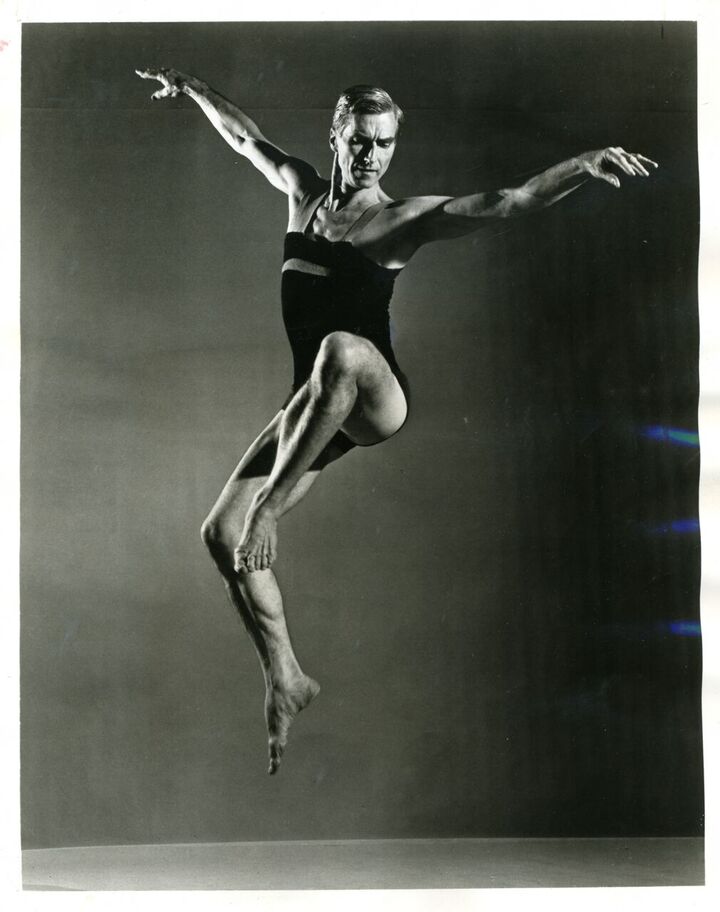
[[330, 286]]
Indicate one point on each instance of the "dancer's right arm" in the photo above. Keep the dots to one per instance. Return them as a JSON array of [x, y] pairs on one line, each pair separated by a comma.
[[289, 174]]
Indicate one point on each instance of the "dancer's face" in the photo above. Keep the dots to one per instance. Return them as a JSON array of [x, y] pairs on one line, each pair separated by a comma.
[[365, 146]]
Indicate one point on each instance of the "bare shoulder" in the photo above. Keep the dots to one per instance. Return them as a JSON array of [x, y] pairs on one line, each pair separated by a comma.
[[301, 197], [301, 178], [413, 208], [436, 218], [395, 234], [405, 221], [410, 216]]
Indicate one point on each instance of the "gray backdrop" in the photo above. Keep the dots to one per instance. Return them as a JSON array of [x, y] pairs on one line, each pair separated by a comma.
[[501, 603]]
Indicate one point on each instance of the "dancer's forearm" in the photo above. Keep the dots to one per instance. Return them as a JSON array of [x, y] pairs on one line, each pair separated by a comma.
[[438, 218], [537, 193], [241, 132], [232, 124], [549, 186]]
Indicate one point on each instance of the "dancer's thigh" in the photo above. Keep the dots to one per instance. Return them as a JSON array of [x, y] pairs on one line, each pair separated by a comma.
[[380, 408]]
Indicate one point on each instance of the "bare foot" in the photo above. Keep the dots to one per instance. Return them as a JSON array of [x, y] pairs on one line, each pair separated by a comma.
[[281, 707], [257, 547]]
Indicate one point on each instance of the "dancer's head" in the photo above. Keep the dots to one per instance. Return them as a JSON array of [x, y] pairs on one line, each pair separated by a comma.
[[363, 135], [364, 99]]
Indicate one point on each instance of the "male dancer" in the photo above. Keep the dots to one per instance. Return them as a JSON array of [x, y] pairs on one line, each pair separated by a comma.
[[346, 242]]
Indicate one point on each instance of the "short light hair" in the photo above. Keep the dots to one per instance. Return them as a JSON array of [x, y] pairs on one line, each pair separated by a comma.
[[364, 99]]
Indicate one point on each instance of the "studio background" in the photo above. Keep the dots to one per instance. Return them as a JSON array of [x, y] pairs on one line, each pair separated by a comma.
[[501, 603]]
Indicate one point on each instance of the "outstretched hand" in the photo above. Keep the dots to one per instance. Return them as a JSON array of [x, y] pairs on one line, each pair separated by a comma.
[[173, 82], [605, 162]]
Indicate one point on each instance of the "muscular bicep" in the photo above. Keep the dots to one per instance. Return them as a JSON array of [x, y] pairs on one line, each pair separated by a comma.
[[437, 218], [285, 172]]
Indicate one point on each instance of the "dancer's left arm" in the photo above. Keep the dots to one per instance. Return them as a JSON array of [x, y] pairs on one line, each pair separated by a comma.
[[436, 218]]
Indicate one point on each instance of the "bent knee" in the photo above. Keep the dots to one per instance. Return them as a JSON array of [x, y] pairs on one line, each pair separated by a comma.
[[214, 537], [211, 533], [340, 353]]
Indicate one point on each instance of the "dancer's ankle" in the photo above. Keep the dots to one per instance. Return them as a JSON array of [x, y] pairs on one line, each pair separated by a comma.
[[264, 502]]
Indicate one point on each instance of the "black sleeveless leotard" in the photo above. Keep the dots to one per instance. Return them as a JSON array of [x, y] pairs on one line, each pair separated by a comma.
[[329, 286]]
